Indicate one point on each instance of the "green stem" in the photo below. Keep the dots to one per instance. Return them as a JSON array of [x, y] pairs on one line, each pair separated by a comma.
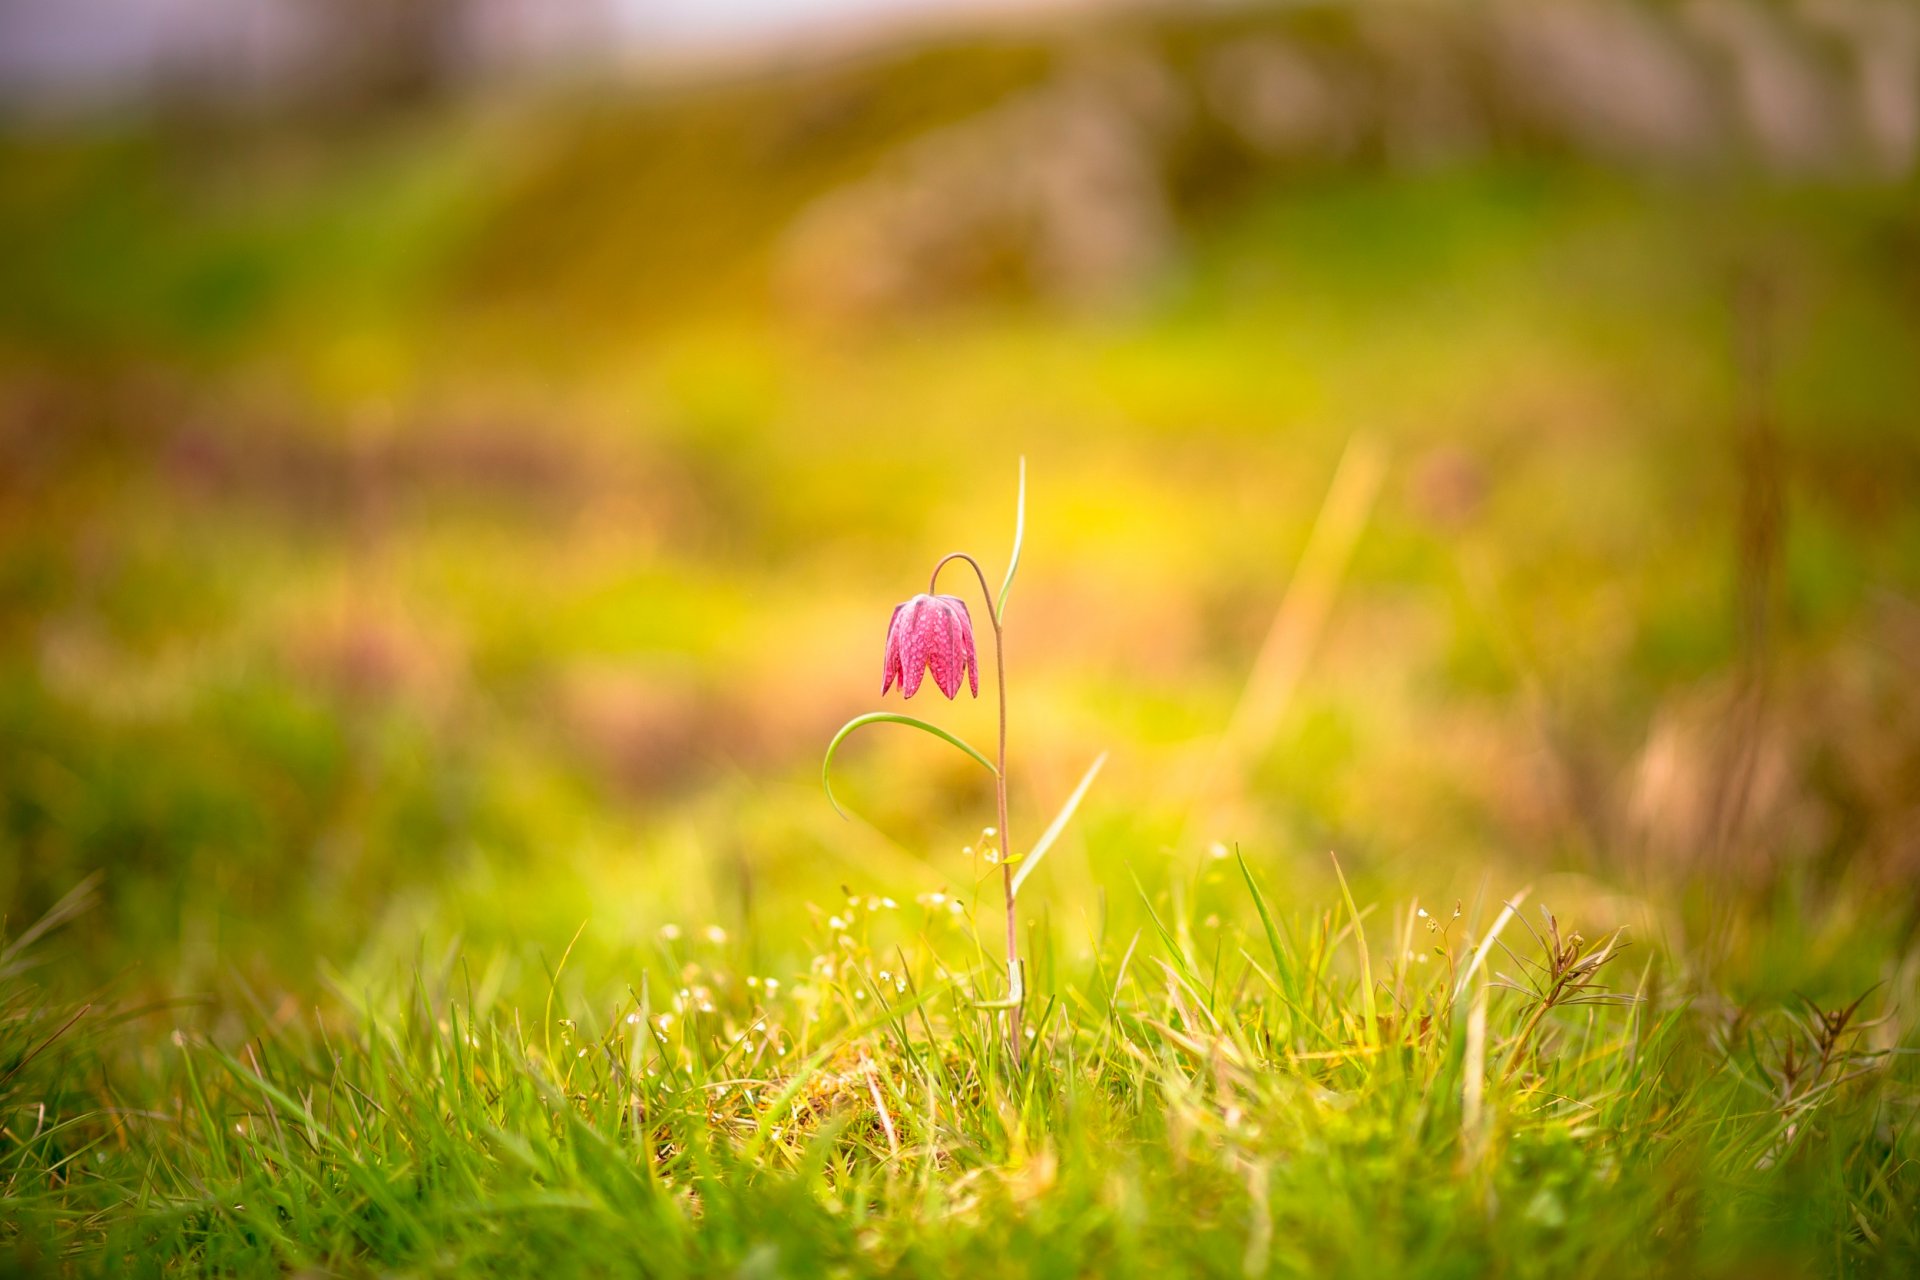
[[1000, 792]]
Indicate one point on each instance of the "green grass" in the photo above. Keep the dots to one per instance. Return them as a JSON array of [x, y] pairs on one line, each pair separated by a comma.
[[1199, 1097]]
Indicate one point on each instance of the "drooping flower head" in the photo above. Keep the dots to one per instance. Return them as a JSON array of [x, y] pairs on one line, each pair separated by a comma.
[[931, 633]]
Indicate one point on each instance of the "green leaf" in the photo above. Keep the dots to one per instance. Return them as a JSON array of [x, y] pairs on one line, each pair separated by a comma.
[[1367, 1003], [1282, 968], [1032, 857], [1019, 536], [889, 717], [1166, 934]]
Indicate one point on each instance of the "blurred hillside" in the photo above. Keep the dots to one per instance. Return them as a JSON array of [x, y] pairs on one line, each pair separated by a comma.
[[1060, 157], [470, 510]]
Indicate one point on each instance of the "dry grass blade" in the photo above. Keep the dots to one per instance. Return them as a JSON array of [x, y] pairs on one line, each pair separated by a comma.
[[1059, 824], [1304, 609], [76, 902]]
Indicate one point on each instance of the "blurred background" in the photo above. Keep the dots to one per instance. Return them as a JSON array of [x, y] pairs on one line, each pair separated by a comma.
[[458, 458]]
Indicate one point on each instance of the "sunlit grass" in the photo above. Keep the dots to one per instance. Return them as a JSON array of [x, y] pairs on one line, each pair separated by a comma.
[[1203, 1095]]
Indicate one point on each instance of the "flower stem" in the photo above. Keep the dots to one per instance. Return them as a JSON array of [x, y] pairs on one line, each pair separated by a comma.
[[1017, 987]]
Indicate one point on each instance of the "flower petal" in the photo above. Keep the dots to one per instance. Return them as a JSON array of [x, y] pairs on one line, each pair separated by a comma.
[[890, 664], [964, 660], [967, 654], [944, 654], [931, 630], [913, 646]]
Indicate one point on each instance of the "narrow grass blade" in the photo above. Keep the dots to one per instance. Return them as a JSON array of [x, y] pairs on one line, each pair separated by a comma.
[[1059, 824], [77, 901], [38, 1049], [1292, 1006], [1367, 1010], [890, 717], [1302, 616], [1166, 935], [1019, 536], [1266, 917], [1487, 943], [1473, 1084]]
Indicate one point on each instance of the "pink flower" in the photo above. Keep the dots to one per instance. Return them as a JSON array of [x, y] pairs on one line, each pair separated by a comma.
[[931, 632]]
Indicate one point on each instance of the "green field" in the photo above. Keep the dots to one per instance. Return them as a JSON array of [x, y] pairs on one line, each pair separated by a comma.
[[436, 553]]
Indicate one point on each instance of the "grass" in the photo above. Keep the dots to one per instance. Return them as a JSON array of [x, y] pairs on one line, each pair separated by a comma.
[[1204, 1096]]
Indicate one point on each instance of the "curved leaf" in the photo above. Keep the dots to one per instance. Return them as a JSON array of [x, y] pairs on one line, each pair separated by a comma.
[[889, 717], [1019, 536]]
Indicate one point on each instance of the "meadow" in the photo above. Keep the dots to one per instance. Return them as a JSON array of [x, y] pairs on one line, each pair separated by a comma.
[[436, 553]]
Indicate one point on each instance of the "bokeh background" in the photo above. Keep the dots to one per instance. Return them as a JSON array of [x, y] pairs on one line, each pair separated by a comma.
[[457, 461]]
